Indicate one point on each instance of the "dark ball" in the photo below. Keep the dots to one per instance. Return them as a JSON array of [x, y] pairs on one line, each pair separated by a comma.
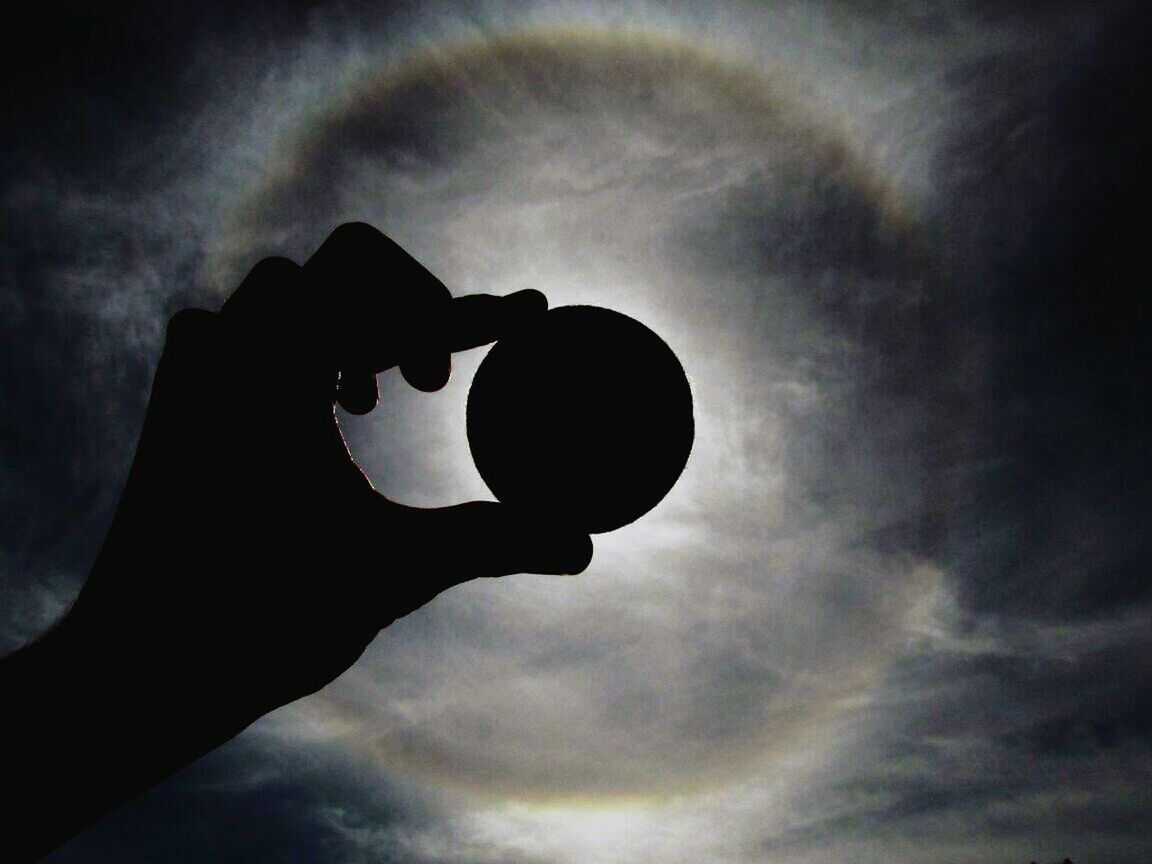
[[583, 415]]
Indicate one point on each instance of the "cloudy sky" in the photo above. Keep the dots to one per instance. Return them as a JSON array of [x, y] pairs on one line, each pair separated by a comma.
[[897, 607]]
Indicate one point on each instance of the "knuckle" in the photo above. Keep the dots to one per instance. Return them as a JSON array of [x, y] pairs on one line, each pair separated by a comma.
[[269, 278], [353, 232], [187, 323], [274, 267]]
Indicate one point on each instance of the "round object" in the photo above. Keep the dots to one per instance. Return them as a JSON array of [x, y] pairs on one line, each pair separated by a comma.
[[584, 415]]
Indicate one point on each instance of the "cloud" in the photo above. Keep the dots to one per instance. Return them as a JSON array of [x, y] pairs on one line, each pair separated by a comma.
[[895, 600], [247, 801]]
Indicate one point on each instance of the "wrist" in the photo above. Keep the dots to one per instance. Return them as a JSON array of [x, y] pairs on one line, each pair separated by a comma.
[[139, 684], [87, 725]]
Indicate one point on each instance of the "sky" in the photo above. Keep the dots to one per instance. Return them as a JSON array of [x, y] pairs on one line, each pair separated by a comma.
[[897, 607]]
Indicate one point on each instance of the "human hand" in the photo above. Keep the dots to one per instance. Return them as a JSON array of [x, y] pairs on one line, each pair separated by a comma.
[[251, 561]]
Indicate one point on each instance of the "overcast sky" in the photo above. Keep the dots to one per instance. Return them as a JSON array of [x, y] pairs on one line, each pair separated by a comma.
[[896, 609]]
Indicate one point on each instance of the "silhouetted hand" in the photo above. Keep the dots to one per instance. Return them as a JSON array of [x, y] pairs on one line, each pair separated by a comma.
[[248, 544], [250, 561]]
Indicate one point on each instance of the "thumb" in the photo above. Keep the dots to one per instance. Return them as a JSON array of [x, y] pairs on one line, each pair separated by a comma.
[[484, 538]]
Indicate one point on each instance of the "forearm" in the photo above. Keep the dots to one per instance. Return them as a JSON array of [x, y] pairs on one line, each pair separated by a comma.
[[84, 728]]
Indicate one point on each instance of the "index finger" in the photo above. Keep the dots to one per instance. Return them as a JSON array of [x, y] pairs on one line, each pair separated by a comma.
[[463, 323], [477, 319]]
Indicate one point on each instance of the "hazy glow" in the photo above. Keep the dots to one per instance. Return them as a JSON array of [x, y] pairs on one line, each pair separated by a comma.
[[747, 179], [702, 638]]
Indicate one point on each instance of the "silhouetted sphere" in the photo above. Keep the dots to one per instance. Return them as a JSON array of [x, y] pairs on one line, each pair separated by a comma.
[[585, 415]]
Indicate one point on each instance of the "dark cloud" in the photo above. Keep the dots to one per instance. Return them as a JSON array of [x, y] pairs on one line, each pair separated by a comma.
[[1012, 749], [1044, 205], [99, 247], [82, 81], [247, 803]]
